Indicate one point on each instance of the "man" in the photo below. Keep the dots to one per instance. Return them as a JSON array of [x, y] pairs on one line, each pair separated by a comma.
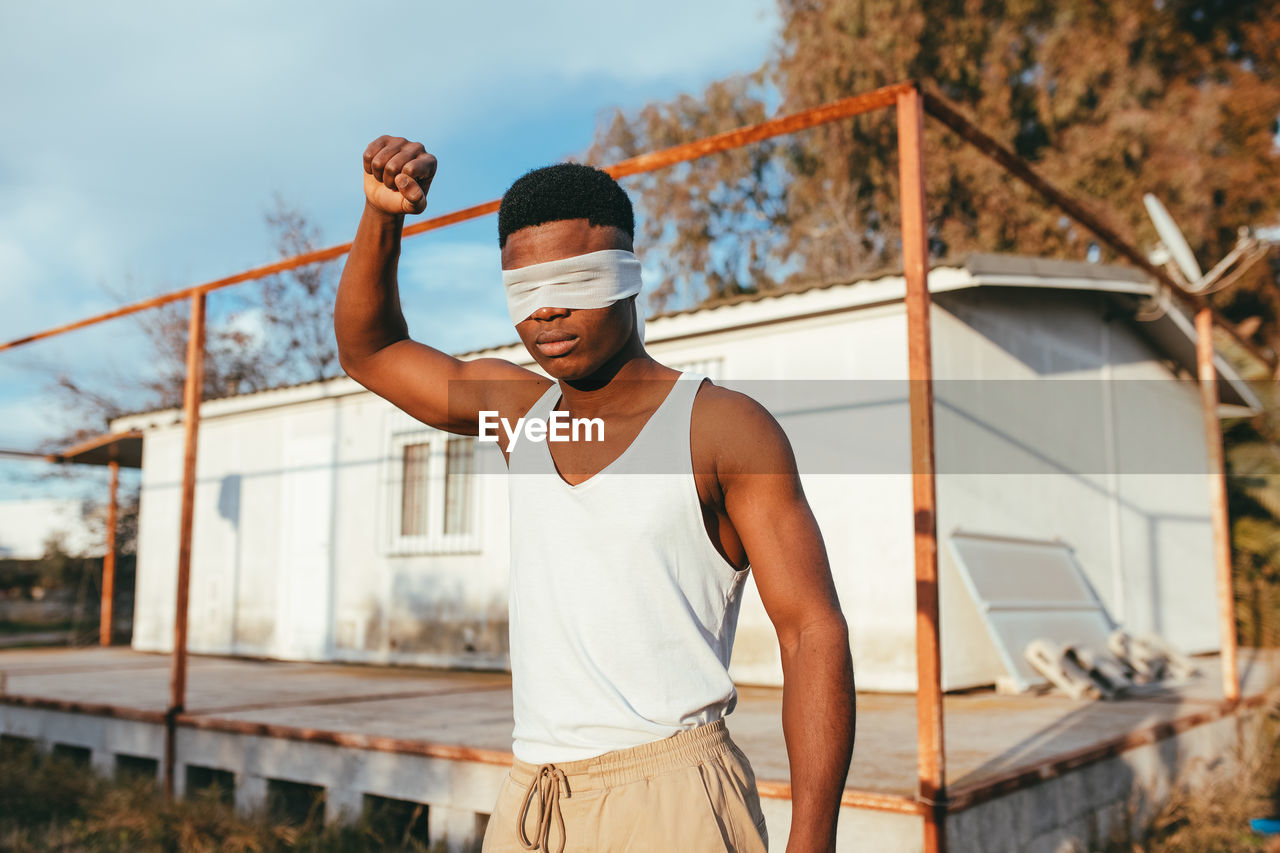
[[629, 545]]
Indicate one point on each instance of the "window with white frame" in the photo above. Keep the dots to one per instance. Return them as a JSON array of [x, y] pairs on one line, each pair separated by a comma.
[[432, 493]]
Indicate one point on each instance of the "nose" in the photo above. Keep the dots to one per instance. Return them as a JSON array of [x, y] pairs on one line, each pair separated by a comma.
[[549, 313]]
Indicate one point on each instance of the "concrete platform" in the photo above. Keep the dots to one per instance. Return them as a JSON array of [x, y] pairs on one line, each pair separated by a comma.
[[443, 738]]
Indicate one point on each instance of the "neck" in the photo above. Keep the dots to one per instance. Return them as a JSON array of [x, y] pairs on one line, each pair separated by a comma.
[[619, 386]]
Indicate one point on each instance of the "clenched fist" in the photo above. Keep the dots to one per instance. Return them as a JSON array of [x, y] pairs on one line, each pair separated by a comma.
[[397, 175]]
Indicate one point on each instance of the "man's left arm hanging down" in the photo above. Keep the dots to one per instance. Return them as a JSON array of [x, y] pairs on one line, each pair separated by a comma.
[[765, 502]]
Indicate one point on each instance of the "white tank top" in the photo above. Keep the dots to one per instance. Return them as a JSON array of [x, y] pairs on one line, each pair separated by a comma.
[[622, 610]]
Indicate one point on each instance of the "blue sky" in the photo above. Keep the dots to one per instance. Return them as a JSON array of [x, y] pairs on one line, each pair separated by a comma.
[[144, 142]]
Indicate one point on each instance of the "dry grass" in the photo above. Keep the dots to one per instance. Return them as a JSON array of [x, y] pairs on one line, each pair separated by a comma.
[[1214, 818], [49, 804]]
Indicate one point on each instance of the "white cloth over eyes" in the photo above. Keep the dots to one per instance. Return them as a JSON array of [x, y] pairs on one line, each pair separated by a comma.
[[593, 280]]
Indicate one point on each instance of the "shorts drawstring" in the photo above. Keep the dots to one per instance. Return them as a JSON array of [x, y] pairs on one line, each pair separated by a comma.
[[548, 782]]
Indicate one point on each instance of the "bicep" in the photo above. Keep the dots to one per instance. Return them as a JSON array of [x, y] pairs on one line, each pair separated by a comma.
[[765, 501], [445, 392]]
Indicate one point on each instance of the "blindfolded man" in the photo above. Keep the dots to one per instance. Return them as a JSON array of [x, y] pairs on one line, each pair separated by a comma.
[[630, 544]]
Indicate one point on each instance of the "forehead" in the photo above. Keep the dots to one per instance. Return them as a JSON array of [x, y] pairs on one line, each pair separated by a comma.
[[563, 238]]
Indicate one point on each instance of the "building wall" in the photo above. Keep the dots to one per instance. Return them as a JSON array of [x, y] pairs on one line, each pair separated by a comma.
[[1114, 469], [291, 554]]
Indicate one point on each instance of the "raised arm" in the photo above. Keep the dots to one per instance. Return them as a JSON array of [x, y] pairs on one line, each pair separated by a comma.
[[374, 346], [765, 502]]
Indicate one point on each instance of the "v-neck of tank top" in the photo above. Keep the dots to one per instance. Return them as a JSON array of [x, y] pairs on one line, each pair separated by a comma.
[[546, 445]]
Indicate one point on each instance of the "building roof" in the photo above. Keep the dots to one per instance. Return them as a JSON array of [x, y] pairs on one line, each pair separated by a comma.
[[123, 448], [1170, 330]]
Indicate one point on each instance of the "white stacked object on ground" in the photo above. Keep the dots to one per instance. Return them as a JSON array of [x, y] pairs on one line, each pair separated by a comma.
[[1061, 670], [1151, 657], [1079, 671], [1083, 671]]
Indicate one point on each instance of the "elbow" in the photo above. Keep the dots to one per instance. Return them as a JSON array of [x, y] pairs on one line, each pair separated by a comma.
[[829, 632], [830, 625], [350, 364]]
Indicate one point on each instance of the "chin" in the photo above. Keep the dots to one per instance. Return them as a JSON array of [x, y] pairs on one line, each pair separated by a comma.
[[568, 369]]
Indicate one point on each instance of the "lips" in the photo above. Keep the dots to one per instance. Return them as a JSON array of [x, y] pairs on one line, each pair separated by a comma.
[[555, 342]]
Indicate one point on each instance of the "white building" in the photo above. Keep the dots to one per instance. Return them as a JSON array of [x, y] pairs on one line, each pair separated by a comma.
[[330, 526]]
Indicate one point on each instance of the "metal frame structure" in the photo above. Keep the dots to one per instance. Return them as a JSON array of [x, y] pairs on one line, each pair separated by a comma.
[[912, 105]]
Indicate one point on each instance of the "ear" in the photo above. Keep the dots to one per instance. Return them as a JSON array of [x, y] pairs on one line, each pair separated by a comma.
[[619, 239], [637, 318]]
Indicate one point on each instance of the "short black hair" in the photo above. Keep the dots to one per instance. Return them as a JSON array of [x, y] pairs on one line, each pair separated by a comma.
[[564, 191]]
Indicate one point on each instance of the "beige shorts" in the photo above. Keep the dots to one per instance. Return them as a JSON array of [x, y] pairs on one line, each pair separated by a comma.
[[694, 791]]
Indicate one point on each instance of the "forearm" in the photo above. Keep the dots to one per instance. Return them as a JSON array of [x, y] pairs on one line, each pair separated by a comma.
[[367, 314], [818, 719]]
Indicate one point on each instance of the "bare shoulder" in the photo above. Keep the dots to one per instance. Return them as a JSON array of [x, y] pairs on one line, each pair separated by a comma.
[[739, 433], [512, 387], [448, 393]]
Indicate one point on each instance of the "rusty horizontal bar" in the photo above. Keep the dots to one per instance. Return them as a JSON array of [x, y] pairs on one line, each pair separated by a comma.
[[962, 796], [875, 801], [650, 162], [24, 454], [938, 107], [377, 743], [91, 444], [445, 219], [96, 709], [851, 798], [803, 120]]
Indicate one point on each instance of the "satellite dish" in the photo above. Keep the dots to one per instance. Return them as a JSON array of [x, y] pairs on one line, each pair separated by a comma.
[[1174, 243], [1248, 251]]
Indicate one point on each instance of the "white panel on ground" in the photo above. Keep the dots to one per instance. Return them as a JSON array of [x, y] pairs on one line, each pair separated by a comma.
[[1028, 589]]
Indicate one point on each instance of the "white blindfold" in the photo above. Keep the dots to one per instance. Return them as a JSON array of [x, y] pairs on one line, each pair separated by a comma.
[[593, 280]]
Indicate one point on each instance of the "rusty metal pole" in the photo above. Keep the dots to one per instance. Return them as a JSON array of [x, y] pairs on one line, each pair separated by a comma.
[[915, 265], [191, 429], [107, 613], [1218, 503]]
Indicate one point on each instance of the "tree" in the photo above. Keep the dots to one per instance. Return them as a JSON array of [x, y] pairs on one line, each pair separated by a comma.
[[279, 334], [297, 306], [1106, 100], [1252, 464]]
